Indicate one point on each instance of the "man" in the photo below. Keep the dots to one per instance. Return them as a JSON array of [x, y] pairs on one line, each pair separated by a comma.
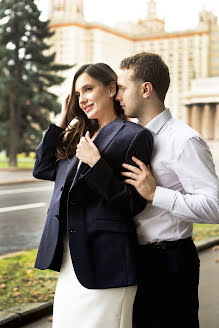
[[184, 189]]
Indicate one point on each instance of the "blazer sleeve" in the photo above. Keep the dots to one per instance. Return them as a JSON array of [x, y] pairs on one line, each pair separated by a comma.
[[101, 177], [45, 164]]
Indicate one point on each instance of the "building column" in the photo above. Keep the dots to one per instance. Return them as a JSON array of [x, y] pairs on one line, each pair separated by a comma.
[[188, 114], [196, 118], [208, 122], [216, 123]]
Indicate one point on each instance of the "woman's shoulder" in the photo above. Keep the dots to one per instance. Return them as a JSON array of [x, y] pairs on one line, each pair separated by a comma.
[[135, 128]]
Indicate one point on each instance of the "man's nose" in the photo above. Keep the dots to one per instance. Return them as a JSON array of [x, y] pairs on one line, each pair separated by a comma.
[[117, 97]]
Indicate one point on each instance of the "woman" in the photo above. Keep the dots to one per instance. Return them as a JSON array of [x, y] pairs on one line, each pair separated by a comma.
[[91, 207]]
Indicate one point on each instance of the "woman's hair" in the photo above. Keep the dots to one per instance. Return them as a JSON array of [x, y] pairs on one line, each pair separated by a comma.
[[67, 146]]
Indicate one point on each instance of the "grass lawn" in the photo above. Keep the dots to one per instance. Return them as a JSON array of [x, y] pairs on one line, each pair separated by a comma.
[[21, 283], [203, 231], [23, 162]]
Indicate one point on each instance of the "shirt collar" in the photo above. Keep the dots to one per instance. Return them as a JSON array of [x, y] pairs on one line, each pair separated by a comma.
[[159, 121]]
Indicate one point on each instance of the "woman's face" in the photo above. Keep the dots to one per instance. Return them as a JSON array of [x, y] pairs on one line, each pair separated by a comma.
[[94, 98]]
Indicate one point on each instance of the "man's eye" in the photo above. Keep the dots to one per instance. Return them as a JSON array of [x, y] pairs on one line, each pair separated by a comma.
[[88, 89]]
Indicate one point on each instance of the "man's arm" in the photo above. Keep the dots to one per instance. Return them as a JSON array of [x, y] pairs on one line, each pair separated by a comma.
[[196, 172]]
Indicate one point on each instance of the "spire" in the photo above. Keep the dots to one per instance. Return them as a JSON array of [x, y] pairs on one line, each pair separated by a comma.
[[151, 9], [152, 24]]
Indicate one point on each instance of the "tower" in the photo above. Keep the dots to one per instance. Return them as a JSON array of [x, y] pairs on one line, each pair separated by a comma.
[[152, 23], [207, 19], [66, 10], [78, 7]]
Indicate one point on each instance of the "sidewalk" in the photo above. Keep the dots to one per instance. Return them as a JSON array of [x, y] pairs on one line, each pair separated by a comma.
[[9, 176]]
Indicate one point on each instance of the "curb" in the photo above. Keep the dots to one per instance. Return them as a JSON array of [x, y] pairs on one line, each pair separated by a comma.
[[20, 181], [206, 243], [18, 316], [13, 169]]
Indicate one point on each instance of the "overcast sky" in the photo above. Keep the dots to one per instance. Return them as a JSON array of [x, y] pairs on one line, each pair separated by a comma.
[[178, 14]]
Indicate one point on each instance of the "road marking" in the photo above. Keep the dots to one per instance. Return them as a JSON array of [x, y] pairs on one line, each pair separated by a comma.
[[23, 190], [22, 207]]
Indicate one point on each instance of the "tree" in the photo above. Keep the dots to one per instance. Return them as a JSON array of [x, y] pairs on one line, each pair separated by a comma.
[[27, 72]]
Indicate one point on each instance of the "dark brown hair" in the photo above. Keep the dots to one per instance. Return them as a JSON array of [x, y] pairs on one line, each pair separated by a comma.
[[149, 67], [67, 146]]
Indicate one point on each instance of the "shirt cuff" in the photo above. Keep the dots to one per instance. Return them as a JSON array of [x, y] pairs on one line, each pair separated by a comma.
[[164, 198]]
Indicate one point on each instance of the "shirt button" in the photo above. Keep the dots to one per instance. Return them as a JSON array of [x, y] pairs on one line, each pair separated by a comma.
[[57, 217]]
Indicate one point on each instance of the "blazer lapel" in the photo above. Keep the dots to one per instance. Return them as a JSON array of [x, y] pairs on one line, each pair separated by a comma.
[[104, 137], [107, 133], [71, 166]]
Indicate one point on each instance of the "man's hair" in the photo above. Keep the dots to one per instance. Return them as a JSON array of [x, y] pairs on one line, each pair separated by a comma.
[[149, 67]]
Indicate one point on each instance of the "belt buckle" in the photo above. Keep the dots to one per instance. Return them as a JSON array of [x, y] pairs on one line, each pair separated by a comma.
[[160, 245]]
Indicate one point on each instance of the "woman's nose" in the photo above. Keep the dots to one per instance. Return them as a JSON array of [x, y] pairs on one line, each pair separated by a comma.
[[82, 100]]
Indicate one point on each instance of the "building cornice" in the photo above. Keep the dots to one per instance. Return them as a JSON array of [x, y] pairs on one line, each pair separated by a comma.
[[151, 20], [165, 35]]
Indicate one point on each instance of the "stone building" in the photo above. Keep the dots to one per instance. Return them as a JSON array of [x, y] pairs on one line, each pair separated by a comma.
[[192, 56]]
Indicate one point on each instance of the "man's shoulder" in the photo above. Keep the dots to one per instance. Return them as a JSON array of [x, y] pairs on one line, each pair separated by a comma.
[[179, 136], [181, 131]]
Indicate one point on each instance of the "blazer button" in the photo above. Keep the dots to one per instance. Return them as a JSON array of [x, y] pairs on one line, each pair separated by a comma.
[[73, 203], [72, 230], [57, 217], [62, 188]]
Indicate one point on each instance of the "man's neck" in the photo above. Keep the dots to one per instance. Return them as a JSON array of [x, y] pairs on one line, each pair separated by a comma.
[[149, 114]]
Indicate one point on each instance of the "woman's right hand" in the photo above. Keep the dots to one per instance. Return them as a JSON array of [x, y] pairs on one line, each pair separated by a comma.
[[63, 120]]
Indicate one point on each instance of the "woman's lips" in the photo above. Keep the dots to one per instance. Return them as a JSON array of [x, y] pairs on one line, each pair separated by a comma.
[[88, 108]]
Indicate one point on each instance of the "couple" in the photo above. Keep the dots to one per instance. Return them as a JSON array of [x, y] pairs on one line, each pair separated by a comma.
[[109, 277]]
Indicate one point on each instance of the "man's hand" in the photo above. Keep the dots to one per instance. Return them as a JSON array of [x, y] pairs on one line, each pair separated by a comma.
[[87, 152], [141, 178]]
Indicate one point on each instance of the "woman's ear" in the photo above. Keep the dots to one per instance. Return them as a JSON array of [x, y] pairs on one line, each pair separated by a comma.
[[112, 89], [147, 89]]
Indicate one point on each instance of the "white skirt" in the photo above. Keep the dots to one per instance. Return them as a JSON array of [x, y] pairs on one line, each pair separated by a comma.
[[78, 307]]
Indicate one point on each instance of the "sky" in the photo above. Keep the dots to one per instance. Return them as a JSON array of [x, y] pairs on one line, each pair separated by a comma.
[[178, 14]]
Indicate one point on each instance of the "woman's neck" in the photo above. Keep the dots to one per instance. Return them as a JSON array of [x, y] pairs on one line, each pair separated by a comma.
[[107, 119]]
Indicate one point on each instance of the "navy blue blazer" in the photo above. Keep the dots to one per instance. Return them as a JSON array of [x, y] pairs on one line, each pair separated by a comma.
[[100, 206]]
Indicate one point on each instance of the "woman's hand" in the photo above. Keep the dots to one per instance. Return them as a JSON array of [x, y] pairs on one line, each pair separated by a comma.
[[87, 152], [63, 120]]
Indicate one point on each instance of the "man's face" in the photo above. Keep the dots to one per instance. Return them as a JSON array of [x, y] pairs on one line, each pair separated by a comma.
[[129, 94]]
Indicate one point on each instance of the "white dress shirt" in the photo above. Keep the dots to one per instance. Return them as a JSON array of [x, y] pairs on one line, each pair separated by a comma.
[[187, 189]]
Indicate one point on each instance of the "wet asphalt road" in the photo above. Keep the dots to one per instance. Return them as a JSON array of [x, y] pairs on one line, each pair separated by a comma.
[[23, 209]]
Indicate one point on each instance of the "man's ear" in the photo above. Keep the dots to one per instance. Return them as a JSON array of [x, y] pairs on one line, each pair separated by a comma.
[[147, 89], [112, 88]]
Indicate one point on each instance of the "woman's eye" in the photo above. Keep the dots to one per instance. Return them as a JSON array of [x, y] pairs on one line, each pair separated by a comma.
[[88, 89]]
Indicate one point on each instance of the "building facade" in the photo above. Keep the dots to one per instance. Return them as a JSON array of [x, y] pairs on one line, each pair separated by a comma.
[[190, 55]]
